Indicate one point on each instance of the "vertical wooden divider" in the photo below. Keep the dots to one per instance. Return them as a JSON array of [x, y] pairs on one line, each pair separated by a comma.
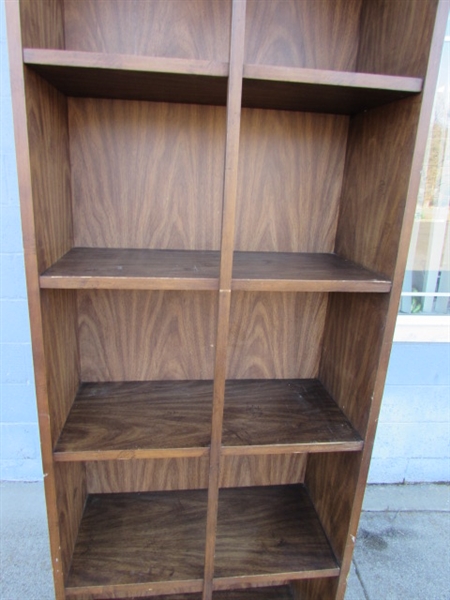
[[234, 97]]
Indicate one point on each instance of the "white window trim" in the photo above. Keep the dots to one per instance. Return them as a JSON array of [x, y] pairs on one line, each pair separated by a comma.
[[415, 328]]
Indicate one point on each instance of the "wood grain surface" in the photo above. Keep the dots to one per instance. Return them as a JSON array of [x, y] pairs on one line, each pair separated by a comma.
[[149, 475], [71, 494], [319, 35], [140, 539], [120, 419], [42, 23], [318, 91], [285, 205], [275, 335], [262, 470], [302, 272], [382, 50], [269, 534], [50, 170], [130, 77], [112, 268], [146, 175], [271, 415], [197, 29], [59, 327], [264, 593], [142, 336]]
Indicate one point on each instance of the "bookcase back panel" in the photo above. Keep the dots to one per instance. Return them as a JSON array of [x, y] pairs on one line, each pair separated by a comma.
[[50, 169], [275, 335], [384, 49], [290, 176], [299, 33], [275, 469], [139, 336], [42, 24], [62, 360], [152, 475], [197, 29], [146, 175]]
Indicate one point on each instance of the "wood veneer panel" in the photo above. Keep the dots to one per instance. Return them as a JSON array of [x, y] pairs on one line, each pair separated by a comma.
[[50, 171], [129, 541], [375, 184], [383, 50], [299, 33], [320, 91], [269, 535], [149, 475], [249, 471], [71, 494], [146, 175], [275, 335], [138, 419], [197, 29], [146, 336], [283, 415], [269, 593], [110, 268], [283, 204], [42, 23], [59, 325], [302, 272], [130, 77]]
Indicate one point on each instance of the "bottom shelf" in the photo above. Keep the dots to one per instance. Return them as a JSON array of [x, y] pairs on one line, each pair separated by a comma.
[[153, 544]]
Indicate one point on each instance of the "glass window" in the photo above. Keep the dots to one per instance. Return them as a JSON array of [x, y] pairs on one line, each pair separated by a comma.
[[426, 288]]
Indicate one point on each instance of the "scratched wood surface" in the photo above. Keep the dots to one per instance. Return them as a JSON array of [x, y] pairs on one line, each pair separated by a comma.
[[140, 538]]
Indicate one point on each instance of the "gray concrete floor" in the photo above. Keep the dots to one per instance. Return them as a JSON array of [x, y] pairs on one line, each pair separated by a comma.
[[402, 550]]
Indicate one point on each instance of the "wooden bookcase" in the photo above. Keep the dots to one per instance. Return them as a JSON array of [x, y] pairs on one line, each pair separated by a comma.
[[216, 199]]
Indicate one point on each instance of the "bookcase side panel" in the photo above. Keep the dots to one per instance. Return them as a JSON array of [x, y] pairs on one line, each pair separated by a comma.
[[42, 24], [383, 49], [146, 175]]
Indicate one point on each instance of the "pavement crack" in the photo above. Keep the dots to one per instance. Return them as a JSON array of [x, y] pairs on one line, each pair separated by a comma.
[[360, 579]]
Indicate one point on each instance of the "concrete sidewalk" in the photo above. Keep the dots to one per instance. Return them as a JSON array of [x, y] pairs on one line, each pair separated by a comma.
[[402, 551]]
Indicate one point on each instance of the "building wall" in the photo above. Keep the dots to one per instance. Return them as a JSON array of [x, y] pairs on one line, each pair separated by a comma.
[[412, 442]]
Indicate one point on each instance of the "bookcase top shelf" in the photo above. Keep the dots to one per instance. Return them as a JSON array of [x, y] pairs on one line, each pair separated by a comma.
[[108, 268], [133, 77]]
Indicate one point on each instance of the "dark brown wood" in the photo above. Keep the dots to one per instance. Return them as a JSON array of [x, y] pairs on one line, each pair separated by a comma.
[[319, 35], [138, 420], [264, 469], [269, 593], [302, 272], [275, 335], [382, 50], [109, 268], [142, 336], [149, 475], [42, 23], [277, 416], [145, 174], [312, 90], [190, 29], [283, 204], [269, 535], [129, 77], [129, 541]]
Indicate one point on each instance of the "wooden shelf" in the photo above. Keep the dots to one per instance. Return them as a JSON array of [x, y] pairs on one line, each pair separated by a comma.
[[316, 90], [131, 543], [269, 535], [302, 272], [130, 77], [269, 593], [278, 416], [105, 268], [138, 420]]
